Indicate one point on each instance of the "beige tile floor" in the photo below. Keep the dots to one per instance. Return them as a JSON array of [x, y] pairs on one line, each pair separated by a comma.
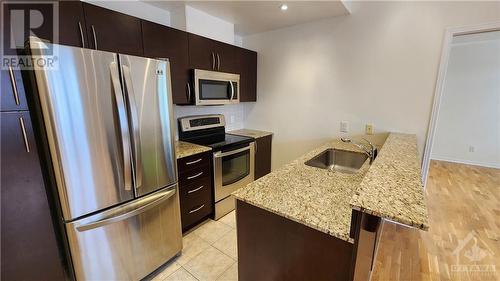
[[209, 253]]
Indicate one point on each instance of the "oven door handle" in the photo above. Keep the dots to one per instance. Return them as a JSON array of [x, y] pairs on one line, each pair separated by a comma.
[[220, 154]]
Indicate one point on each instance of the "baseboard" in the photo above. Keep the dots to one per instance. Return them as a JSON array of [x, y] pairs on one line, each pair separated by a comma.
[[466, 162]]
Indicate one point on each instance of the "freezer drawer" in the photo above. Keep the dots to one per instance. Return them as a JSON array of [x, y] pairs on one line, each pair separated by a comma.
[[129, 241]]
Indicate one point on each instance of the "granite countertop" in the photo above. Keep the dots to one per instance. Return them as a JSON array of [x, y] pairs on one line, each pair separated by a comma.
[[250, 133], [315, 197], [323, 199], [392, 188], [185, 149]]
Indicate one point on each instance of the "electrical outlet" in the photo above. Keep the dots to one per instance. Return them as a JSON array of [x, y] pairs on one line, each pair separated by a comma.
[[344, 126], [472, 148], [369, 129]]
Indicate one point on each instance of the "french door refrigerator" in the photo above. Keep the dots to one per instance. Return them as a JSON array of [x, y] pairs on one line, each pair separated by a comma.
[[109, 127]]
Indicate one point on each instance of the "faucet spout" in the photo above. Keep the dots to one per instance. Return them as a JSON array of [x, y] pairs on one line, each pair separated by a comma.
[[371, 151]]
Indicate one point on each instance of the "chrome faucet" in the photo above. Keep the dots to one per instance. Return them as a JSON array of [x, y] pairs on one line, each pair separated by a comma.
[[371, 152]]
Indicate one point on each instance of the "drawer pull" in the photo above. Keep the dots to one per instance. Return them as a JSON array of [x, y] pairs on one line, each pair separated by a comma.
[[197, 209], [195, 176], [196, 189], [194, 162], [14, 85], [25, 137]]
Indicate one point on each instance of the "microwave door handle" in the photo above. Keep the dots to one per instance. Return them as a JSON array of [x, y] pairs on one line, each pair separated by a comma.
[[232, 90], [135, 125], [122, 120], [220, 154]]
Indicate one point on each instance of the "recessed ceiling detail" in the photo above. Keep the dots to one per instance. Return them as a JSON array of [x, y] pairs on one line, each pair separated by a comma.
[[251, 17]]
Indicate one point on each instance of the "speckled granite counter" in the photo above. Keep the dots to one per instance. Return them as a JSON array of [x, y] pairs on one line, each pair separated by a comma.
[[392, 187], [185, 149], [315, 197], [323, 199], [250, 133]]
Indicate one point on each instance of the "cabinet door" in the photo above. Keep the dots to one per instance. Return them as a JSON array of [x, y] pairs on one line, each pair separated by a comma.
[[12, 95], [28, 242], [248, 75], [164, 42], [263, 156], [201, 53], [112, 31], [72, 29], [226, 57]]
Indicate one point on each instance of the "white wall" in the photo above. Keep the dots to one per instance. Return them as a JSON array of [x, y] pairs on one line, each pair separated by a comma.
[[201, 23], [469, 114], [378, 65], [137, 9]]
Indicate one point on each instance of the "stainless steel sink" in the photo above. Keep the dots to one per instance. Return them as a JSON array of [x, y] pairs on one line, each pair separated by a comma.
[[339, 160]]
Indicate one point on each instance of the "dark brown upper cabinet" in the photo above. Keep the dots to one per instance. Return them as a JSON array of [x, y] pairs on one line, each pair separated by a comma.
[[12, 95], [29, 244], [209, 54], [72, 30], [248, 75], [164, 42], [112, 31]]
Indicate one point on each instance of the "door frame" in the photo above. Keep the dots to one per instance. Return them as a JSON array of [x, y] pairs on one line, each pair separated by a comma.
[[438, 92]]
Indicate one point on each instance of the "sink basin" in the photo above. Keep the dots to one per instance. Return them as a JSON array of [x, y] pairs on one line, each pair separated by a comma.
[[339, 160]]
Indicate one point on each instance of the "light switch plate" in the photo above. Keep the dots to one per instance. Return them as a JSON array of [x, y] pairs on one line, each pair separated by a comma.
[[344, 126]]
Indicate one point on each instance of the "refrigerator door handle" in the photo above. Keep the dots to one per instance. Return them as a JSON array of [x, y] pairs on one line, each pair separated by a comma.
[[135, 125], [128, 210], [122, 116]]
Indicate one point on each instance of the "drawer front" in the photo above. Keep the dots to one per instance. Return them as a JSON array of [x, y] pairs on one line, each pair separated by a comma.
[[194, 209], [193, 162], [193, 175], [201, 187]]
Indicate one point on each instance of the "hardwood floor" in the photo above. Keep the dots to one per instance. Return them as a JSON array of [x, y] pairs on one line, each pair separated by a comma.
[[464, 210]]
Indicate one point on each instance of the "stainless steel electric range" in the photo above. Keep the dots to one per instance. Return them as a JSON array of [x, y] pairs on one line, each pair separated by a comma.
[[233, 156]]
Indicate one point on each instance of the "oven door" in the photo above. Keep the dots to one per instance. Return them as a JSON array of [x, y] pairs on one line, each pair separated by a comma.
[[233, 170], [216, 88]]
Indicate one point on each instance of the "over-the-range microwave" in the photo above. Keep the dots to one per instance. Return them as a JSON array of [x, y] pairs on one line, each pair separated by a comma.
[[216, 88]]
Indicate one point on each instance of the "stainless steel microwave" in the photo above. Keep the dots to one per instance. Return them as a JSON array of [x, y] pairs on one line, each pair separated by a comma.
[[216, 88]]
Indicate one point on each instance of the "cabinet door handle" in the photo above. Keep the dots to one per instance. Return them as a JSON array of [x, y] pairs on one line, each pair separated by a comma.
[[194, 162], [25, 137], [188, 93], [255, 146], [14, 85], [195, 176], [194, 190], [95, 37], [197, 209], [218, 62], [213, 61], [81, 34]]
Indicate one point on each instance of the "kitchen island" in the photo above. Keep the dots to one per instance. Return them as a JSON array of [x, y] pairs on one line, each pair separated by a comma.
[[327, 222]]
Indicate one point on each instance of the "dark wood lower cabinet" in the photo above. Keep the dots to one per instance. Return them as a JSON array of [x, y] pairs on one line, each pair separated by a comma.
[[263, 156], [195, 189], [271, 247], [29, 249]]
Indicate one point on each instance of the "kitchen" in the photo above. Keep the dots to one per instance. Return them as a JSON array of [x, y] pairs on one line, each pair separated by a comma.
[[125, 185]]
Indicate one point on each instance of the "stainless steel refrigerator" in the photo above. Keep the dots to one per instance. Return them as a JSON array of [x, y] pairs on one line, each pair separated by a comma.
[[109, 127]]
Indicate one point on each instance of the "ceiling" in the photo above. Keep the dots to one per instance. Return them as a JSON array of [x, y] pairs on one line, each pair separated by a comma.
[[251, 17]]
